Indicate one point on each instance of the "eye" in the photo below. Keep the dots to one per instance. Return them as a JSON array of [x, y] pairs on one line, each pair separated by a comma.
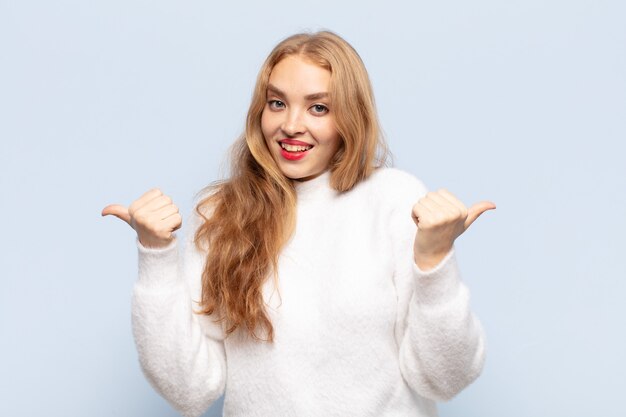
[[319, 109], [276, 104]]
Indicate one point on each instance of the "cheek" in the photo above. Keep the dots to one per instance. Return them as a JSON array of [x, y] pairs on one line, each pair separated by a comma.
[[335, 142], [266, 125], [327, 134]]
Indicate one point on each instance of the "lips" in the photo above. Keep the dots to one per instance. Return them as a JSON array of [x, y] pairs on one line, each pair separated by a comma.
[[294, 142], [293, 150]]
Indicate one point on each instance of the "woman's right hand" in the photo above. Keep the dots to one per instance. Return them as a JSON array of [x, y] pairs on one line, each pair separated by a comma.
[[153, 216]]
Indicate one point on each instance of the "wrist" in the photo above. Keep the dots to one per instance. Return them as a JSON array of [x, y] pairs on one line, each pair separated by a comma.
[[428, 260], [155, 243]]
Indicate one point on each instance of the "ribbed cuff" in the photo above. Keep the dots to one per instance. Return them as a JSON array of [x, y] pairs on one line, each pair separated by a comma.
[[157, 266], [439, 284]]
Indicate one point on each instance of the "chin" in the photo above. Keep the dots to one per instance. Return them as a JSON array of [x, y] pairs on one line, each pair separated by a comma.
[[300, 175], [305, 176]]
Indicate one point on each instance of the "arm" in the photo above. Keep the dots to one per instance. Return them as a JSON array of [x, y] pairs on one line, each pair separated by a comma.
[[442, 348], [181, 353], [441, 343]]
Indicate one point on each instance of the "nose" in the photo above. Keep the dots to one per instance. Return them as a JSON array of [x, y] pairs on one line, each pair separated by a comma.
[[293, 123]]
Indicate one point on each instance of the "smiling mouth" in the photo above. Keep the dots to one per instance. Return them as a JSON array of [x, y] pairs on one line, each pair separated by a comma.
[[295, 148]]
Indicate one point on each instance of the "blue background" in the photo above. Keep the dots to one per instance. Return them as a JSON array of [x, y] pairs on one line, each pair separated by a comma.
[[522, 102]]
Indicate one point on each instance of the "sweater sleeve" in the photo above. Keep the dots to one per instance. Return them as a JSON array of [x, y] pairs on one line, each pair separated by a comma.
[[441, 342], [181, 352]]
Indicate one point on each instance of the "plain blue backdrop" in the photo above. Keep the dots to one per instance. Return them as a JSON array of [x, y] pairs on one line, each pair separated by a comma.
[[522, 102]]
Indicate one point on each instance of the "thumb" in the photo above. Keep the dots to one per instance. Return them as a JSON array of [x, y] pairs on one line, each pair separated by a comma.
[[476, 210], [118, 211]]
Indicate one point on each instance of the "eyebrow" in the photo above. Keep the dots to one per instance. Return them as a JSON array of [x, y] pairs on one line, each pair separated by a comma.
[[277, 91]]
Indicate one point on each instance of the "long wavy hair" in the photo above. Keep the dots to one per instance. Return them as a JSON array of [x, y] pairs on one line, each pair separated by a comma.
[[249, 217]]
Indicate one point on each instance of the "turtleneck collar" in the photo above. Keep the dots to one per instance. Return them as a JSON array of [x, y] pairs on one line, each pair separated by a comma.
[[315, 188]]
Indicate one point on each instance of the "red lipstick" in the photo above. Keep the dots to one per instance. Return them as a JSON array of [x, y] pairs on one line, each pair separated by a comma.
[[294, 142], [293, 155]]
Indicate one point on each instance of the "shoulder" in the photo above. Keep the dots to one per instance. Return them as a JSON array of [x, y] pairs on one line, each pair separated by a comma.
[[394, 183], [389, 190]]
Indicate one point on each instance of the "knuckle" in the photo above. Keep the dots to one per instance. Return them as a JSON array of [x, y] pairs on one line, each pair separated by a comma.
[[456, 213], [146, 219], [436, 215], [133, 206], [139, 217], [440, 218]]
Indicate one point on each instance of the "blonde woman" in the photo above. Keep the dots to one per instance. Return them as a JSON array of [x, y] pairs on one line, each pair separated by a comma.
[[314, 281]]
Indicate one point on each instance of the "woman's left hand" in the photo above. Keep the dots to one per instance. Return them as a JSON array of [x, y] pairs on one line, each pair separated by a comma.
[[440, 219]]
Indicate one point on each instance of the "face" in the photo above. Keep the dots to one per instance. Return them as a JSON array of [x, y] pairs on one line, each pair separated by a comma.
[[297, 121]]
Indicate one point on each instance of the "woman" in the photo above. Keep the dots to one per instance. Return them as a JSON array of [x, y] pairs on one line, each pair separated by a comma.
[[313, 282]]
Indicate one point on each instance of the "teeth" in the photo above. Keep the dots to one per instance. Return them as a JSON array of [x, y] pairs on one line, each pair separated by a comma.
[[295, 148]]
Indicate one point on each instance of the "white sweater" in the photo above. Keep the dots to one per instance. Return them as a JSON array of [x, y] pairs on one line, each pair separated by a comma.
[[360, 330]]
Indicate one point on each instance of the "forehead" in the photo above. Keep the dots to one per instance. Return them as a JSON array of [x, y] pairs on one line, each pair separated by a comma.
[[296, 75]]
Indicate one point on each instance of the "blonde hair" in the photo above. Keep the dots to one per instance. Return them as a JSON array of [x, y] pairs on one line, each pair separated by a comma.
[[252, 214]]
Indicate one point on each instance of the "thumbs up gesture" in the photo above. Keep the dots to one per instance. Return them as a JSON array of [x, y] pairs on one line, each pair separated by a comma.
[[153, 216], [440, 219]]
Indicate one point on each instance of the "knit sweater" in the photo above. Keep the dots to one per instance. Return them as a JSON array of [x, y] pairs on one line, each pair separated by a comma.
[[359, 329]]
